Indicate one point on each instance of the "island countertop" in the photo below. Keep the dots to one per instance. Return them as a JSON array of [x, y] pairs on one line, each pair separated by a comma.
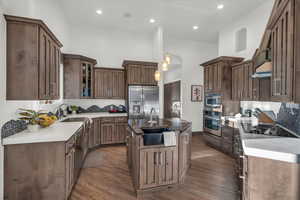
[[175, 124]]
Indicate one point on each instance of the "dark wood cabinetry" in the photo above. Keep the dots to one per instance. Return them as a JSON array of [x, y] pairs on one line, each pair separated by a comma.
[[109, 83], [78, 76], [33, 60], [283, 48], [246, 88], [140, 73], [218, 75], [185, 153], [156, 166], [113, 130], [242, 82]]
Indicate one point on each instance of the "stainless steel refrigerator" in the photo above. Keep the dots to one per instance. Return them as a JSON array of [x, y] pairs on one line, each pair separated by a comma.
[[141, 100]]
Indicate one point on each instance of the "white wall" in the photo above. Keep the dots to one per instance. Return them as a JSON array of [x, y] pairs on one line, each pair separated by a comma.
[[110, 47], [47, 10], [191, 54], [255, 22]]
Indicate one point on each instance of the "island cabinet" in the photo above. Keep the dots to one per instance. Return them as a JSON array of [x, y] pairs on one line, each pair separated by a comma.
[[185, 153], [157, 166], [140, 73], [109, 83], [78, 76], [33, 60]]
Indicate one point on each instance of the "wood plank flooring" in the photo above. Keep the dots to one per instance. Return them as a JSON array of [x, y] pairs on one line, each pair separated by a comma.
[[106, 177]]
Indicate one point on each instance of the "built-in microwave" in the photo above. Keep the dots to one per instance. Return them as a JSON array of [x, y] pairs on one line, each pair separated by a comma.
[[213, 100]]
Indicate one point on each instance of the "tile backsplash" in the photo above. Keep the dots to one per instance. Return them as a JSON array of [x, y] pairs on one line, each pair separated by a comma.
[[288, 114], [266, 106]]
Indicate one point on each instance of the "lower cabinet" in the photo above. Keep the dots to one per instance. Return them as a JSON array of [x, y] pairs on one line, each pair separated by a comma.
[[108, 133], [113, 130], [224, 143], [70, 161], [158, 167]]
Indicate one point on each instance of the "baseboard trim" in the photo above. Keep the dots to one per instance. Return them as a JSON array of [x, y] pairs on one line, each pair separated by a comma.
[[197, 132]]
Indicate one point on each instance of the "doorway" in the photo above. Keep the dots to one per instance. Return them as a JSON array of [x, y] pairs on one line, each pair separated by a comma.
[[172, 100]]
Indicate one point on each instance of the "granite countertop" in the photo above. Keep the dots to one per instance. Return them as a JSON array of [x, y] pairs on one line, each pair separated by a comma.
[[174, 124], [58, 132], [265, 146]]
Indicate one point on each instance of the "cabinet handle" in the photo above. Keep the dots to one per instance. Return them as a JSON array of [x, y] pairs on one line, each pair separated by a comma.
[[242, 177], [155, 158], [243, 157]]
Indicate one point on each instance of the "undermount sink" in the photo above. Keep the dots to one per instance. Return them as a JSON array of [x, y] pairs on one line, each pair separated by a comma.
[[150, 130], [75, 119]]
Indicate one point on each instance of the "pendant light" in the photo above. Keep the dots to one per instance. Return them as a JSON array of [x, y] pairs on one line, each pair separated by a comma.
[[165, 66], [168, 59], [157, 75]]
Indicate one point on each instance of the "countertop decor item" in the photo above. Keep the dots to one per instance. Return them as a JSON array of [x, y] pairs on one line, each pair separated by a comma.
[[31, 116], [197, 92], [13, 127]]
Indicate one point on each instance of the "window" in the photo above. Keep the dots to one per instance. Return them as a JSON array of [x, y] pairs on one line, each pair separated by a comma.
[[241, 40]]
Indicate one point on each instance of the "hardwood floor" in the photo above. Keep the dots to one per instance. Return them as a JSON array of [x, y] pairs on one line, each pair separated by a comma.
[[106, 177]]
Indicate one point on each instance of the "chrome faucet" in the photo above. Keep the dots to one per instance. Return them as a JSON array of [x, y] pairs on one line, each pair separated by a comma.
[[61, 112], [151, 115]]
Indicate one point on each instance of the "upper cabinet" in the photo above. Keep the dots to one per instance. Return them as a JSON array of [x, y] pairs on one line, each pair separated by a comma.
[[109, 83], [218, 75], [78, 77], [33, 60], [283, 35], [245, 88], [140, 73]]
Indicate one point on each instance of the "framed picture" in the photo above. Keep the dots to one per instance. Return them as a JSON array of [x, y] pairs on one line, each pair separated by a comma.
[[197, 93]]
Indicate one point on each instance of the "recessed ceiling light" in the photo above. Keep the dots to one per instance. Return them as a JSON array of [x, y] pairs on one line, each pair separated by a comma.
[[195, 27], [99, 12], [220, 6], [152, 21]]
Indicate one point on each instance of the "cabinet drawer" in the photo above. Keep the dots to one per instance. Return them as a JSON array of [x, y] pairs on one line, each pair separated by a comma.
[[212, 140], [227, 134], [70, 144], [227, 147], [108, 120], [121, 119]]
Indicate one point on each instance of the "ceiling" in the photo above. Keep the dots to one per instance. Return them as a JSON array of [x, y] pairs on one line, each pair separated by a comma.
[[177, 17]]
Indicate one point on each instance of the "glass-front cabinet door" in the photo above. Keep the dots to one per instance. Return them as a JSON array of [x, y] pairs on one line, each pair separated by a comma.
[[86, 80]]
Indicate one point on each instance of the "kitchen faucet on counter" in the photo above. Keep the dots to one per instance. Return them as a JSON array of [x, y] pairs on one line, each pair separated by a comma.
[[59, 112], [151, 116]]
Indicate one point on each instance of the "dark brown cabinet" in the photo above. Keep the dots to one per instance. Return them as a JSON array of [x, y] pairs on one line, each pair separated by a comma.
[[113, 130], [218, 76], [245, 88], [33, 60], [109, 83], [78, 76], [158, 167], [242, 81], [283, 47], [140, 73], [185, 140]]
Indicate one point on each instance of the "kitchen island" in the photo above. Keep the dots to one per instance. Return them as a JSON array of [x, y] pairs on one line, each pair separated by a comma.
[[156, 167]]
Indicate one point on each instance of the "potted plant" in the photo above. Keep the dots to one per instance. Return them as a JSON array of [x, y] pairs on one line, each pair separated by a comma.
[[31, 117], [74, 109]]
